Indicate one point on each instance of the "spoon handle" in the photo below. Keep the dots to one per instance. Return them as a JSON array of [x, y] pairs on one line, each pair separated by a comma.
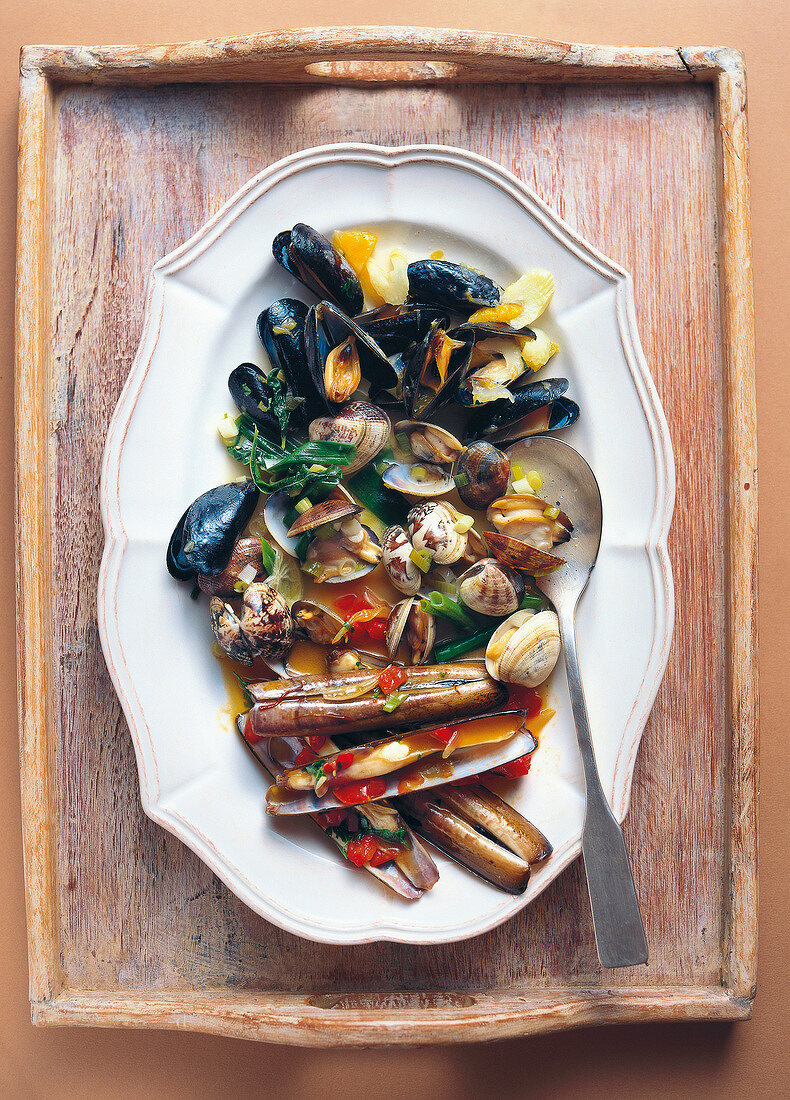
[[619, 932]]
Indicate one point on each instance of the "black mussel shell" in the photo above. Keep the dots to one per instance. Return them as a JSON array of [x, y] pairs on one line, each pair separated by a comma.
[[452, 286], [423, 388], [537, 407], [395, 328], [250, 390], [205, 535], [310, 258], [326, 328], [281, 331], [486, 330]]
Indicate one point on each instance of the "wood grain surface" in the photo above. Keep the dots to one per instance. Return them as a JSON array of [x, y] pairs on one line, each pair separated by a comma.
[[136, 915]]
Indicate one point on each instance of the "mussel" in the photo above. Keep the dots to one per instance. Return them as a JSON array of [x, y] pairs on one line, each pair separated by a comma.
[[396, 557], [418, 479], [481, 474], [311, 259], [281, 329], [247, 554], [491, 588], [451, 286], [537, 407], [361, 423], [264, 628], [339, 353], [419, 627], [524, 649], [433, 527], [433, 371], [206, 534], [264, 400], [395, 328], [428, 442]]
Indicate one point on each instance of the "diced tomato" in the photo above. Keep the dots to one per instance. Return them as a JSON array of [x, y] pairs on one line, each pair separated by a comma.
[[391, 679], [445, 734], [385, 854], [348, 605], [316, 743], [362, 849], [525, 698], [250, 736], [332, 817], [306, 756], [376, 629], [516, 768], [344, 759], [352, 794]]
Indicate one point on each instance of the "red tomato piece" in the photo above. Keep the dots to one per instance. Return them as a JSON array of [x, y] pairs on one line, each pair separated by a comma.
[[445, 734], [332, 817], [351, 794], [250, 736], [316, 743], [385, 854], [361, 849], [515, 769], [525, 698], [306, 756], [344, 759], [376, 629], [349, 604], [391, 679]]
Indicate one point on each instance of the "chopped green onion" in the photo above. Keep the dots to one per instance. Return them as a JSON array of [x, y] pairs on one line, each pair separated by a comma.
[[302, 506], [451, 650], [447, 588], [403, 441], [461, 481], [421, 558], [314, 568], [228, 431], [269, 555], [551, 512], [394, 700], [530, 602], [440, 604], [419, 473], [463, 524], [535, 480]]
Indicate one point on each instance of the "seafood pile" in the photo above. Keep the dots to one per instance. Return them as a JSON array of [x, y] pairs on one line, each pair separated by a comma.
[[381, 448]]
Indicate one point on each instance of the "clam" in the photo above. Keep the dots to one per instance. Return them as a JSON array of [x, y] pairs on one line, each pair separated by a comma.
[[206, 534], [274, 510], [451, 286], [476, 546], [536, 407], [418, 479], [311, 258], [264, 628], [491, 588], [429, 442], [524, 649], [316, 621], [339, 353], [432, 526], [365, 425], [524, 517], [433, 370], [520, 555], [351, 553], [396, 548], [281, 330], [331, 510], [247, 552], [419, 627], [481, 474]]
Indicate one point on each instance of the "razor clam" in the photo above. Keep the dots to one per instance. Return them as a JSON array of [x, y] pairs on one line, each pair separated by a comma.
[[206, 534], [451, 286], [429, 442], [524, 649], [419, 479], [490, 588], [419, 626], [432, 526], [482, 472], [264, 628], [409, 875], [431, 692], [311, 258], [523, 516], [365, 425]]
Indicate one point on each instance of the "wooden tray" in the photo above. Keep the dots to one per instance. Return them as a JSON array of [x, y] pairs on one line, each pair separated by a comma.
[[123, 154]]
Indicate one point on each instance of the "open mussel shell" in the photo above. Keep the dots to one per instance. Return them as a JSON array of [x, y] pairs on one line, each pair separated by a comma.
[[483, 472], [361, 423], [206, 534], [250, 391], [420, 479], [429, 442], [487, 330], [419, 626], [433, 371], [524, 649], [536, 407], [491, 588], [520, 555], [311, 258], [328, 331], [452, 286], [395, 328], [281, 330]]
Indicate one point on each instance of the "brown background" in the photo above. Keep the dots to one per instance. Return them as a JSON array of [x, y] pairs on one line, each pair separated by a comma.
[[669, 1060]]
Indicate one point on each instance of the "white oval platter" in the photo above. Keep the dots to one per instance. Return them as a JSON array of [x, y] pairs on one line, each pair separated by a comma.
[[162, 451]]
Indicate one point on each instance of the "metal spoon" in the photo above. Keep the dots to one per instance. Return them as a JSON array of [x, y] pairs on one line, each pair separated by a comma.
[[619, 932]]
